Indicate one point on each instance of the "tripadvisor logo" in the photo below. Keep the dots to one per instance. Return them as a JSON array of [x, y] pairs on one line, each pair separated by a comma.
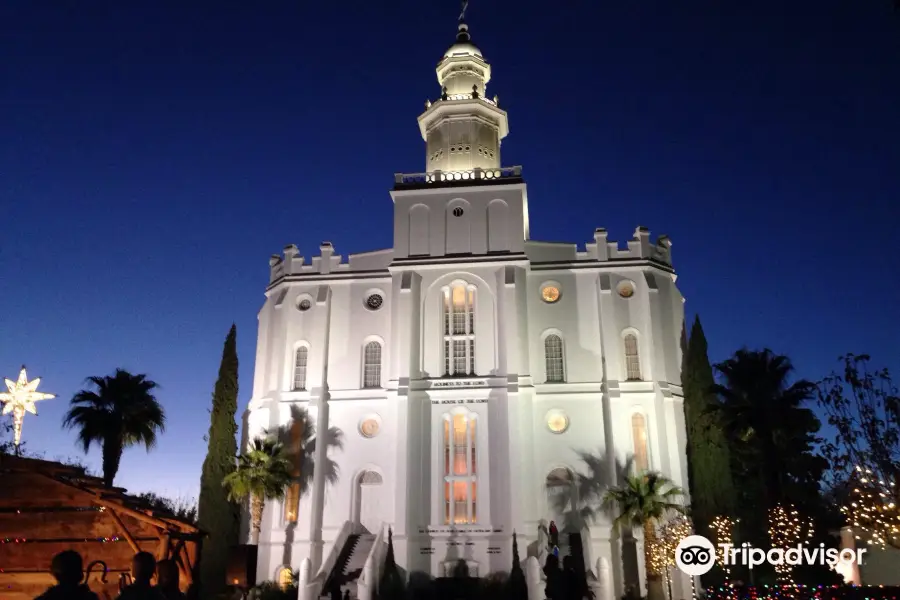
[[696, 555]]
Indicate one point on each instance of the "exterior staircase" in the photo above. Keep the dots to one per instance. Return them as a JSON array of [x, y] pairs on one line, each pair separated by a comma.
[[349, 564]]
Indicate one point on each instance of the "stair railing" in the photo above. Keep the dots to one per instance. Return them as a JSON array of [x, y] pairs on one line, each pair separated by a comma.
[[372, 570], [315, 587]]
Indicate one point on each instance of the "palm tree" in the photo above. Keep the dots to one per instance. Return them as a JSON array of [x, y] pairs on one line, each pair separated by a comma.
[[772, 432], [263, 473], [644, 501], [121, 411], [300, 440]]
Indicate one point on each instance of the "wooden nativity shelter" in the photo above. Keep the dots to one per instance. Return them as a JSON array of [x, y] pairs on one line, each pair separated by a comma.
[[47, 507]]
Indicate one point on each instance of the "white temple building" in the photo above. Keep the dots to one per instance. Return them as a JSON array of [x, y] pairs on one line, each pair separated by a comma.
[[468, 366]]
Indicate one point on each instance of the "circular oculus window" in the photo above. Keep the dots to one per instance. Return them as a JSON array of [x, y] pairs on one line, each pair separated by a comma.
[[625, 289], [550, 294], [369, 428], [304, 304], [458, 211], [374, 301], [557, 421]]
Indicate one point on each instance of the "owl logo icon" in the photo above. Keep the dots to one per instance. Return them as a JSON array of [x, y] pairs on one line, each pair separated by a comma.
[[695, 555]]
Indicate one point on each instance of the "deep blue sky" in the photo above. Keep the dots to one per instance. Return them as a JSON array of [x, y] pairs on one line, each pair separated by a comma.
[[154, 154]]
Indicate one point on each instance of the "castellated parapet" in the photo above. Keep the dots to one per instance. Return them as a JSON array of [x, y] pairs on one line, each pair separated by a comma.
[[638, 247], [601, 250]]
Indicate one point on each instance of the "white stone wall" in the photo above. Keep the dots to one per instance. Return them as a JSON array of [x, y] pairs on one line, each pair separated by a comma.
[[510, 395]]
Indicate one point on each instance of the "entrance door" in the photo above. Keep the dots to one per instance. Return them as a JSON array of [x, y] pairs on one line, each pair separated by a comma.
[[369, 512]]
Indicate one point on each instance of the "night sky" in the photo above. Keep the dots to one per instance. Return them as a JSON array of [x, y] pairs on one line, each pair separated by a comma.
[[154, 154]]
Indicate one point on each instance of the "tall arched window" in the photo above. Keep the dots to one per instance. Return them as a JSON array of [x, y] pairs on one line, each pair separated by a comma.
[[632, 358], [295, 451], [459, 330], [460, 469], [300, 361], [553, 356], [641, 446], [372, 365]]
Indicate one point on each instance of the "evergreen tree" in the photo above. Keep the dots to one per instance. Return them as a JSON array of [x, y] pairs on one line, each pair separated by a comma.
[[219, 517], [392, 585], [518, 583], [709, 466]]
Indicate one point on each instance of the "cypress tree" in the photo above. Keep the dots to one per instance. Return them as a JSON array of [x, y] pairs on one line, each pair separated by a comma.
[[218, 517], [518, 583], [709, 466]]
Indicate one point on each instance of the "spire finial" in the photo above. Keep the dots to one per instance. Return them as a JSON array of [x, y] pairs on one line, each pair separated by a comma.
[[462, 15]]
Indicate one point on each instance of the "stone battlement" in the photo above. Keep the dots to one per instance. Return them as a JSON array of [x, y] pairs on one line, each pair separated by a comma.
[[600, 250], [639, 246], [291, 263]]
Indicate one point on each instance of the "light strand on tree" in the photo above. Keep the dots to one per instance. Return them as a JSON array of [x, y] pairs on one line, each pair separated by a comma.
[[723, 531], [786, 530], [872, 510], [668, 535]]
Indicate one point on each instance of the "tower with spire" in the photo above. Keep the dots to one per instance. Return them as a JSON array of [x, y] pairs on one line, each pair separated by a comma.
[[463, 128], [466, 369]]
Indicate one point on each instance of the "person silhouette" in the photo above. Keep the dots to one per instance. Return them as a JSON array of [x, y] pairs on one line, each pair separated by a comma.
[[167, 580], [554, 534], [68, 570], [143, 568]]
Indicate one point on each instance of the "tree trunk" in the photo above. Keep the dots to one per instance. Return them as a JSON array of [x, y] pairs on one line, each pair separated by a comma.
[[256, 514], [655, 589], [112, 454]]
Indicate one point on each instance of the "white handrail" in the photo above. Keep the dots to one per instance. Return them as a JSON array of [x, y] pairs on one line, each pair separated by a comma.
[[373, 567]]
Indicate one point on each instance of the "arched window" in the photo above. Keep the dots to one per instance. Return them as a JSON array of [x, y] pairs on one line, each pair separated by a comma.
[[553, 356], [292, 495], [632, 358], [300, 368], [641, 446], [460, 469], [285, 578], [459, 330], [372, 365], [560, 490]]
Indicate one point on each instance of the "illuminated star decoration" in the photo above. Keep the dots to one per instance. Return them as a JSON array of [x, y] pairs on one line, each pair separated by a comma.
[[20, 399]]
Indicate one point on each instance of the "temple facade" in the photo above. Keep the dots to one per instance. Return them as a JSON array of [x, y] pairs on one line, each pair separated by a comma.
[[467, 371]]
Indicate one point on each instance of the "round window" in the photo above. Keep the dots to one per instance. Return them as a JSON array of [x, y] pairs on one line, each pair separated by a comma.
[[374, 301], [458, 211], [369, 428], [550, 294], [625, 289], [557, 421], [304, 304]]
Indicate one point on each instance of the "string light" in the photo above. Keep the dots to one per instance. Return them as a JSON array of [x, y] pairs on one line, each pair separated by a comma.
[[872, 509], [664, 544], [723, 530], [786, 530]]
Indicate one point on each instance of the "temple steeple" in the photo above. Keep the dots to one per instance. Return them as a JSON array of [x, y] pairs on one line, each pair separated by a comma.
[[463, 128]]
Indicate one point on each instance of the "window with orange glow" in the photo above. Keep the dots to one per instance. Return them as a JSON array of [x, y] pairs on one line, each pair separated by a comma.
[[460, 452], [641, 450], [459, 330], [292, 496]]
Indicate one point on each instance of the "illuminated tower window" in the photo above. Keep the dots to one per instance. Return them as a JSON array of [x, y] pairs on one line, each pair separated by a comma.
[[641, 448], [460, 469], [300, 368], [632, 358], [372, 365], [459, 330]]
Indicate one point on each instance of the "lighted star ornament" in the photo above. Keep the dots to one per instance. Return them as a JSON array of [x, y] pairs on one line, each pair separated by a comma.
[[20, 399]]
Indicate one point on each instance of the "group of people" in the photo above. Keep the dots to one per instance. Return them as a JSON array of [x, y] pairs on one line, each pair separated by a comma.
[[568, 583], [68, 570]]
